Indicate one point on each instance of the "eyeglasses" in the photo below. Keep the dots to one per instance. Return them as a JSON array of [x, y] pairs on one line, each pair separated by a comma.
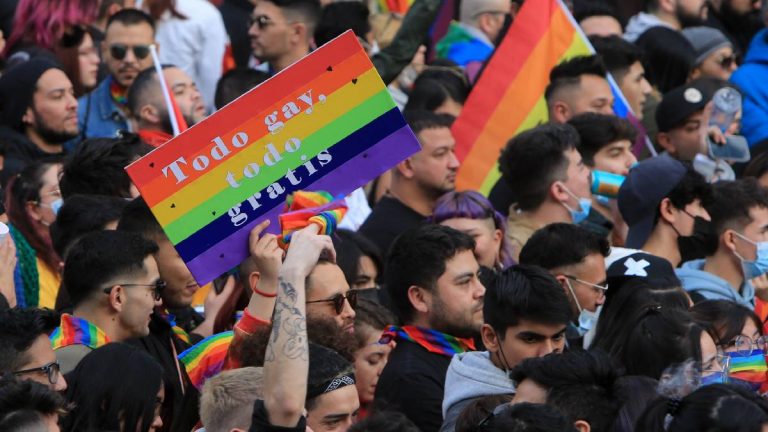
[[338, 301], [727, 62], [157, 288], [744, 344], [600, 288], [118, 51], [51, 369], [262, 21], [720, 359]]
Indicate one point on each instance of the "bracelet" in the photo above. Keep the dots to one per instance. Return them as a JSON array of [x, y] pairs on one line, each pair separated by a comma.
[[263, 294]]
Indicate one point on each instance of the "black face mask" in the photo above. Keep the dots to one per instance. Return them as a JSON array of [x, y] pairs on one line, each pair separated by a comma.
[[702, 243]]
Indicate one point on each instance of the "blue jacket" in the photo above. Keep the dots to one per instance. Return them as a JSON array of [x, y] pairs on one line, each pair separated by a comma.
[[99, 115], [711, 287], [750, 77]]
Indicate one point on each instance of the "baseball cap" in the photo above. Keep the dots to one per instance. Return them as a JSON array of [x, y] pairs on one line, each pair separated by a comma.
[[646, 185], [682, 102], [656, 270]]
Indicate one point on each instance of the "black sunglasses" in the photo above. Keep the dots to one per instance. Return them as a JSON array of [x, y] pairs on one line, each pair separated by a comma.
[[727, 62], [51, 369], [157, 291], [338, 301], [118, 51], [261, 20]]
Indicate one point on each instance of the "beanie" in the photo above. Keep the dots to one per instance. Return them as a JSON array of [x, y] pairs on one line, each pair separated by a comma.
[[328, 371], [17, 86], [705, 41]]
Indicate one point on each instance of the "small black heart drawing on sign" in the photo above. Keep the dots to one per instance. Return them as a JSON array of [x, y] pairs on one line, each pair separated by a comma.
[[173, 205], [329, 69], [354, 80], [151, 164], [221, 256], [213, 213]]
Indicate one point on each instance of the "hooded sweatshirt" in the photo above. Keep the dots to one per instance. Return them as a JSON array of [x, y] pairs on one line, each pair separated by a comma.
[[712, 287], [639, 23], [470, 376], [750, 77]]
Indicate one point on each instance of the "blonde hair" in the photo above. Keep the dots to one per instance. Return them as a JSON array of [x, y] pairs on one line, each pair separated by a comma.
[[227, 399]]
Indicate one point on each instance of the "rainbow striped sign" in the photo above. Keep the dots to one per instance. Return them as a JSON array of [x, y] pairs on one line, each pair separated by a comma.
[[325, 123]]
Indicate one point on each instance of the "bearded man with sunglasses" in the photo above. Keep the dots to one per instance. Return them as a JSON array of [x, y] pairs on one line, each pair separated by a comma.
[[114, 284], [125, 51]]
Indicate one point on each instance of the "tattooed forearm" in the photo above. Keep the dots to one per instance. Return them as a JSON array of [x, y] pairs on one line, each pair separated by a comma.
[[289, 327]]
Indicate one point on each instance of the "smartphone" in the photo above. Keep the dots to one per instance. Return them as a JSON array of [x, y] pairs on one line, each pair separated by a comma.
[[735, 149]]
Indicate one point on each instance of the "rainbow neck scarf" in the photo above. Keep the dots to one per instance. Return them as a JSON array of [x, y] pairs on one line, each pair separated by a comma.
[[77, 331], [206, 358], [171, 320], [749, 370], [118, 93], [431, 340]]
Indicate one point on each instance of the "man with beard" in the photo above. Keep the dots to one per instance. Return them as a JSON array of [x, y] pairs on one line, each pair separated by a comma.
[[739, 20], [675, 14], [39, 113], [147, 107], [432, 280], [417, 182], [126, 52]]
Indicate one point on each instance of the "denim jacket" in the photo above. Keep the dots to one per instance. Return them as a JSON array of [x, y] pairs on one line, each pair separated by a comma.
[[99, 115]]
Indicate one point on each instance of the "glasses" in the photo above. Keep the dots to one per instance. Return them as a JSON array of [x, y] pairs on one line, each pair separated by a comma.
[[727, 62], [262, 21], [744, 344], [118, 51], [720, 359], [51, 370], [599, 288], [338, 301], [157, 288]]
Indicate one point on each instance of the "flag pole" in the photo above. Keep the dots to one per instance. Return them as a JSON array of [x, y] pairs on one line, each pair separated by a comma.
[[164, 87]]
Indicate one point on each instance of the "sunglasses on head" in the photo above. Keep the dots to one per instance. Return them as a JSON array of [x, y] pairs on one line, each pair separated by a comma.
[[119, 51], [338, 301]]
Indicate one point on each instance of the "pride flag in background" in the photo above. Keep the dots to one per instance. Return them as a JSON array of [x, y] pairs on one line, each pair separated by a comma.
[[509, 96], [206, 358]]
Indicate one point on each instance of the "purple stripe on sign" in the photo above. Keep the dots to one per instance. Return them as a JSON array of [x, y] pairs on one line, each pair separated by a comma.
[[355, 173]]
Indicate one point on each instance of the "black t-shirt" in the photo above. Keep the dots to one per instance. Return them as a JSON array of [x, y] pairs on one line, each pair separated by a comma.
[[389, 219], [260, 421], [413, 382], [502, 197]]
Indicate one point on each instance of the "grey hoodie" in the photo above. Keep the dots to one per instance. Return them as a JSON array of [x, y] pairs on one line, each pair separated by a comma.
[[639, 23], [470, 376], [711, 286]]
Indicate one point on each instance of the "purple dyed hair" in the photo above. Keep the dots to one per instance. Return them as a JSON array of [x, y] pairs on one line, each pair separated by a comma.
[[43, 22], [472, 205]]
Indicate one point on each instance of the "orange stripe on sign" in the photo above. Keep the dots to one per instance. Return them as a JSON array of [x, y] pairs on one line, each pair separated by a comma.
[[284, 87], [506, 64], [519, 99], [161, 187]]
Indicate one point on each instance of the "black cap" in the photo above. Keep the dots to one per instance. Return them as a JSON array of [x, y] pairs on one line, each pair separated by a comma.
[[682, 102], [656, 270], [17, 86], [646, 185], [328, 371]]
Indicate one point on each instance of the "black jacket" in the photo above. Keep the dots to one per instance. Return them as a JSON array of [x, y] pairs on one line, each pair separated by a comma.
[[19, 152]]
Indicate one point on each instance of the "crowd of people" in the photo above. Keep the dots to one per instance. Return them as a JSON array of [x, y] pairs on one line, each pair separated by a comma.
[[614, 278]]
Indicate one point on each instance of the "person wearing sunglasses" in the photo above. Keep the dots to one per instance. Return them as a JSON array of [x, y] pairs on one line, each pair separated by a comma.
[[114, 285], [576, 258], [281, 32], [125, 51], [25, 350], [715, 56]]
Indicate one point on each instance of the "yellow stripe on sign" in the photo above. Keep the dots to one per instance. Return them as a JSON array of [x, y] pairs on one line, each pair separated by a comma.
[[204, 188]]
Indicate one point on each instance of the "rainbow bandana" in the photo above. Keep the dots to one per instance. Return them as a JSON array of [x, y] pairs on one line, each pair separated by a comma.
[[751, 370], [305, 208], [431, 340], [77, 331], [206, 358], [118, 93]]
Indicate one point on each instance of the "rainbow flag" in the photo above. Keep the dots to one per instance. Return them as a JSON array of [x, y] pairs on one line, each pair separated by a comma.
[[325, 123], [206, 358], [77, 331], [509, 95]]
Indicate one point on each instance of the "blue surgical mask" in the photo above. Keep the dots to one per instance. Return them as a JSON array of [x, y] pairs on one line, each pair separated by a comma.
[[759, 266], [579, 215], [715, 378], [55, 205], [587, 319]]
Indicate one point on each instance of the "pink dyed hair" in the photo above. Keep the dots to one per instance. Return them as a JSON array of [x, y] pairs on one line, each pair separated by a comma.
[[43, 22]]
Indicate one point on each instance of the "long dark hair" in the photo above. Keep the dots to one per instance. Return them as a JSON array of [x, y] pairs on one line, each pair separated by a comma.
[[23, 189], [724, 319], [114, 384]]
